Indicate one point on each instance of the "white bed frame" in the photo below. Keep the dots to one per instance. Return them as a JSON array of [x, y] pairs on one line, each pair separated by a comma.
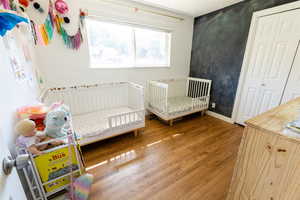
[[161, 91], [119, 106]]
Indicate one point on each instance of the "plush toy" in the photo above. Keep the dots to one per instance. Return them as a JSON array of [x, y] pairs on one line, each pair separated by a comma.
[[36, 113], [55, 122], [82, 186], [28, 137]]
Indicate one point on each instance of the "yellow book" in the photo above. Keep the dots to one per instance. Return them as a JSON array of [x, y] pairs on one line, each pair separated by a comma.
[[55, 164]]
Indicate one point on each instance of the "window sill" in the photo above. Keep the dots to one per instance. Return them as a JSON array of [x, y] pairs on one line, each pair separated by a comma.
[[132, 68]]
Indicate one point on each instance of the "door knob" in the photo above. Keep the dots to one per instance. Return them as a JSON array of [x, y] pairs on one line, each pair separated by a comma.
[[20, 162]]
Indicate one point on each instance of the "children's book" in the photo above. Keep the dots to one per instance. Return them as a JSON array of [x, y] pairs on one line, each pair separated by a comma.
[[53, 165]]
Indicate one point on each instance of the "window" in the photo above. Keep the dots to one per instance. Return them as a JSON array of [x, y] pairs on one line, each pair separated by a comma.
[[114, 45]]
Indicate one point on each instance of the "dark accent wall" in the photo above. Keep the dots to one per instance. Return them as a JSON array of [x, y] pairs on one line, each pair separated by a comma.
[[218, 49]]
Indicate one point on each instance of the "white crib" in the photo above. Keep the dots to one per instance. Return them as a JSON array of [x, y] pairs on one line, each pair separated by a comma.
[[174, 98], [102, 111]]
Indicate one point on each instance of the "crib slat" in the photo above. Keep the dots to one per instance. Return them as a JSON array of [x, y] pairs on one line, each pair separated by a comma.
[[205, 89], [195, 89], [199, 84], [202, 89], [192, 89], [187, 87]]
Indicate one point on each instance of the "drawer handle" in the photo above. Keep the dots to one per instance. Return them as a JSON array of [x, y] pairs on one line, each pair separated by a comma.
[[281, 150]]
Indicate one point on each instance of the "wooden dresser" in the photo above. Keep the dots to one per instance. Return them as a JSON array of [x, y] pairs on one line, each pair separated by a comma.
[[268, 165]]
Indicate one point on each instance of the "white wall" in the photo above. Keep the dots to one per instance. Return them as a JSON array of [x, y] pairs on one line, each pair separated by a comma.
[[14, 94], [65, 67]]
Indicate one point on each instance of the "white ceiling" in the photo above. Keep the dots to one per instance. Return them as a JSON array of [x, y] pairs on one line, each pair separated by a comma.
[[191, 7]]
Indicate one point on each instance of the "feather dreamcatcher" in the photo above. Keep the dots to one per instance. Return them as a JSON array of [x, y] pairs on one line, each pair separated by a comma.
[[42, 18], [68, 23], [46, 15]]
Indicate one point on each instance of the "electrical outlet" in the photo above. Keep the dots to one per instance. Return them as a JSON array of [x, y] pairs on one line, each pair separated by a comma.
[[213, 105]]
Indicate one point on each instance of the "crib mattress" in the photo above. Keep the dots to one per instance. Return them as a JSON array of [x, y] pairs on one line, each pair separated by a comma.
[[97, 123], [178, 105]]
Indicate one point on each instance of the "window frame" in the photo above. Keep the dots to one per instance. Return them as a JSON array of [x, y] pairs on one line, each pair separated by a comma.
[[133, 26]]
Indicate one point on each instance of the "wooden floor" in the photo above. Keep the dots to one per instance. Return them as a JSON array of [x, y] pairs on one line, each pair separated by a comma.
[[194, 159]]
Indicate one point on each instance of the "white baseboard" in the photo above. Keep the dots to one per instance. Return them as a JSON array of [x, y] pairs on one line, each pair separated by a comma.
[[219, 116]]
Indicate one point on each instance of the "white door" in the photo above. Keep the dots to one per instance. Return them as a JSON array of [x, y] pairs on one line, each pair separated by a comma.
[[15, 92], [292, 89], [10, 186], [271, 59]]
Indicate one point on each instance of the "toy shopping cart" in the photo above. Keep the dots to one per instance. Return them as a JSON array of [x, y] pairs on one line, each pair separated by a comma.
[[50, 174]]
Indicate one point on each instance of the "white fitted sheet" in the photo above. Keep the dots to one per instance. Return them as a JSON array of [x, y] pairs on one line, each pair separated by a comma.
[[177, 105], [97, 123]]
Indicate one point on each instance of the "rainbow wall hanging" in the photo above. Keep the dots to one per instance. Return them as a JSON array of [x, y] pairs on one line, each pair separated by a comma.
[[47, 15], [65, 21]]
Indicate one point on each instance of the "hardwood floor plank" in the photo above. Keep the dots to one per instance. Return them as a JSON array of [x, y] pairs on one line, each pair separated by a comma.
[[194, 159]]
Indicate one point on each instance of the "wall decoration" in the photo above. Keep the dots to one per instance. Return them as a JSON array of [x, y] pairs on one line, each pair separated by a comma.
[[37, 10], [5, 4], [72, 42], [24, 3], [47, 15], [69, 17], [15, 57], [20, 54], [42, 19], [61, 7], [69, 23], [43, 33], [26, 52], [8, 21]]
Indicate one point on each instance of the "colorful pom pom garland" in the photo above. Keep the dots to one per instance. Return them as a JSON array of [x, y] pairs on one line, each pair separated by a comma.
[[61, 7]]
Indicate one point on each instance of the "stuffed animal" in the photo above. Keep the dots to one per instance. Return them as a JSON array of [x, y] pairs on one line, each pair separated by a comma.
[[56, 121], [28, 138]]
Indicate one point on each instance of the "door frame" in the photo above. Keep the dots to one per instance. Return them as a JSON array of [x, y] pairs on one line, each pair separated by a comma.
[[250, 42]]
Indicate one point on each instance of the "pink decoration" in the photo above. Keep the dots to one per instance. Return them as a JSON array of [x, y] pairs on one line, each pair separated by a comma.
[[61, 7], [39, 35], [5, 4]]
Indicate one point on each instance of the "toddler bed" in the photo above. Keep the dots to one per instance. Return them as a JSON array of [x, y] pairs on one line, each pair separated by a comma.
[[174, 98], [102, 111]]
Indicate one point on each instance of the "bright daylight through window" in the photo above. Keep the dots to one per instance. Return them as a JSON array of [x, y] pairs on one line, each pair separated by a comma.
[[114, 45]]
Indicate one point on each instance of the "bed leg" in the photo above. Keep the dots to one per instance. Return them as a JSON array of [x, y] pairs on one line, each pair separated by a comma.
[[171, 122], [151, 116], [136, 133], [202, 113]]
